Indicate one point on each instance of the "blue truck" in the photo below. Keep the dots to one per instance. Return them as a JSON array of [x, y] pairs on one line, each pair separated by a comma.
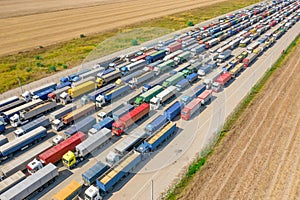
[[8, 101], [105, 123], [122, 111], [187, 98], [107, 97], [2, 127], [192, 77], [155, 82], [83, 125], [172, 111], [156, 124], [90, 176], [62, 85], [3, 140], [17, 144], [155, 56], [182, 84], [156, 139], [43, 94], [93, 95]]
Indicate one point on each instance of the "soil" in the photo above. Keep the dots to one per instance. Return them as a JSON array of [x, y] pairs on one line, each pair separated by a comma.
[[259, 158]]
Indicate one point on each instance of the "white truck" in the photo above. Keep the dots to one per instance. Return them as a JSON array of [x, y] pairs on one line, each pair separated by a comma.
[[162, 97]]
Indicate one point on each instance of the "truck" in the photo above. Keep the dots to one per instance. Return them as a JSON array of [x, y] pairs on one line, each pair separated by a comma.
[[211, 43], [249, 59], [27, 115], [58, 114], [43, 94], [8, 101], [32, 184], [173, 47], [137, 81], [204, 70], [194, 92], [3, 140], [8, 149], [156, 139], [125, 146], [221, 81], [181, 58], [205, 96], [12, 105], [11, 181], [93, 95], [108, 78], [133, 66], [192, 77], [20, 162], [163, 67], [190, 109], [82, 150], [41, 121], [2, 126], [83, 125], [92, 193], [113, 175], [69, 192], [55, 153], [156, 124], [155, 56], [105, 123], [162, 97], [234, 71], [173, 110], [172, 55], [27, 95], [224, 56], [197, 50], [63, 84], [107, 97], [122, 111], [55, 95], [89, 177], [76, 92], [130, 76], [184, 83], [130, 118], [173, 80], [147, 96], [155, 82]]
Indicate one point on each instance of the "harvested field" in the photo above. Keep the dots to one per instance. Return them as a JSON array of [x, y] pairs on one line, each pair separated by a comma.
[[259, 158], [54, 22]]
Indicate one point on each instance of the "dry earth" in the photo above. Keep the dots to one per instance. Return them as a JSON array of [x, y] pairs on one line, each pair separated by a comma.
[[51, 21], [259, 159]]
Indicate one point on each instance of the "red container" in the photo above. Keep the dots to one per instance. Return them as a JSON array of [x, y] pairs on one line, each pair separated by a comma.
[[54, 154], [205, 95], [130, 118], [188, 111], [224, 78], [51, 95], [174, 47]]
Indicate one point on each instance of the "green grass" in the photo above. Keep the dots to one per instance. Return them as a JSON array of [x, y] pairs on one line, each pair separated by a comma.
[[229, 124], [38, 63]]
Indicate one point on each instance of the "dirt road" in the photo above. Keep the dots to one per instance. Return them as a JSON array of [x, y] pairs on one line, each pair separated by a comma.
[[69, 20], [259, 159]]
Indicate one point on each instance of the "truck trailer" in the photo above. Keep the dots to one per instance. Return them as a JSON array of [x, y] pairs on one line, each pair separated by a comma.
[[105, 123], [11, 181], [41, 121], [156, 124], [190, 109], [89, 177], [163, 97], [147, 96], [69, 192]]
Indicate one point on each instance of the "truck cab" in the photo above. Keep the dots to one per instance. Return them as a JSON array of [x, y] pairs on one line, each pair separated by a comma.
[[26, 96], [154, 103], [92, 193], [101, 116], [112, 158], [57, 124], [69, 159], [57, 139], [100, 101], [16, 121], [216, 87], [19, 132], [208, 83], [185, 99], [34, 166], [65, 98]]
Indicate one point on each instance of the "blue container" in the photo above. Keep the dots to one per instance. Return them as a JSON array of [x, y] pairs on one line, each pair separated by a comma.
[[156, 124], [174, 110], [90, 176]]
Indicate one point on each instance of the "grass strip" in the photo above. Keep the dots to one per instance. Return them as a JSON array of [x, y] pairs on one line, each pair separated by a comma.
[[41, 62], [229, 124]]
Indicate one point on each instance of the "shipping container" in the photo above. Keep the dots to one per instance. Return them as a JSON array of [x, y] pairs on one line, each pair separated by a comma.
[[190, 109]]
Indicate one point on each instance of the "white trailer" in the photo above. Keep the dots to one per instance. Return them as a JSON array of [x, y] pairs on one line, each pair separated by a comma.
[[32, 184], [12, 180], [58, 114], [162, 97], [135, 82]]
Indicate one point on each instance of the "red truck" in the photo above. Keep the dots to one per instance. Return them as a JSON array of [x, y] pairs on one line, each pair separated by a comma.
[[221, 81], [188, 111], [119, 126], [174, 47], [249, 59], [205, 96], [54, 154]]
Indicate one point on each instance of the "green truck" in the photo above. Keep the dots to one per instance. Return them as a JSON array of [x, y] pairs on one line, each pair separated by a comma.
[[182, 57], [173, 80], [147, 96], [164, 66]]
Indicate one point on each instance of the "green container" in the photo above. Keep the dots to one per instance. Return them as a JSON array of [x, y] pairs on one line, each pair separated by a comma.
[[173, 80], [147, 96]]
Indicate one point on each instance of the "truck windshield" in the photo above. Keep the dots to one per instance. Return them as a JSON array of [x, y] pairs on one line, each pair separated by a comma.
[[184, 113], [65, 161]]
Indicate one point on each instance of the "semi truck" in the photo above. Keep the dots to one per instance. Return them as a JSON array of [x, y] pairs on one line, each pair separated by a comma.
[[172, 55], [156, 81], [55, 95], [72, 116], [93, 95], [76, 91], [155, 56], [224, 55], [3, 140], [221, 81], [27, 115], [89, 177], [163, 67], [205, 96], [58, 114], [8, 101], [43, 95], [130, 118], [156, 139], [147, 96], [184, 83], [12, 105], [249, 59], [106, 98], [69, 192], [20, 162], [41, 121], [156, 124], [11, 181], [122, 111], [234, 71], [173, 110], [162, 97], [55, 153], [192, 77], [129, 77], [197, 50], [193, 93], [137, 81], [108, 78], [32, 184], [173, 80], [133, 66], [83, 125], [105, 123], [204, 70], [8, 149], [27, 95], [181, 58], [113, 175], [125, 146], [174, 47], [82, 150], [190, 109]]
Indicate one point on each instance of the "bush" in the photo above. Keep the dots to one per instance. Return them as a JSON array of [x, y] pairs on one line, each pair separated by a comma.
[[82, 36], [134, 42], [38, 57], [28, 69], [190, 23], [65, 66], [39, 64], [52, 68]]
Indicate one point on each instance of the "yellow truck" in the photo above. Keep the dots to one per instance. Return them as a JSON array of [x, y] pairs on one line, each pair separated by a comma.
[[234, 71], [68, 192], [81, 89]]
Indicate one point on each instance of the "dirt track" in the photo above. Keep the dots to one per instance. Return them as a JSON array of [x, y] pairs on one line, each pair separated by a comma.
[[259, 159], [64, 23]]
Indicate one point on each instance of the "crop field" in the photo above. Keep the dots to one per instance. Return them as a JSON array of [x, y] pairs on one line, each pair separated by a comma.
[[259, 157]]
